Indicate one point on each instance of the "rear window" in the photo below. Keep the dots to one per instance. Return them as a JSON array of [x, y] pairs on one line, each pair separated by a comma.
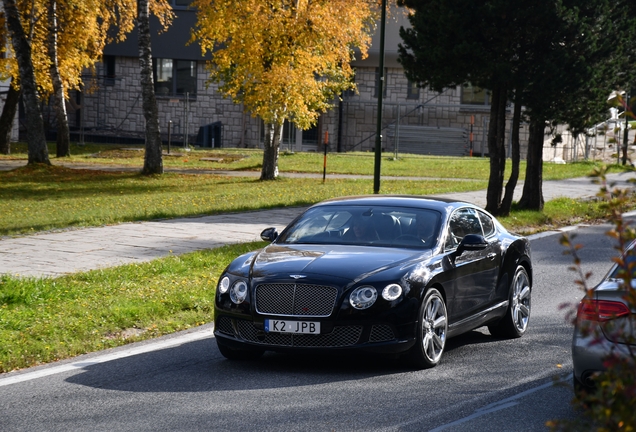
[[630, 263]]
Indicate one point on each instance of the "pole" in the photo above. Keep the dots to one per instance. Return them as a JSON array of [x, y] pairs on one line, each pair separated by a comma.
[[378, 133], [185, 122], [397, 132], [340, 118], [324, 163], [82, 100], [169, 134], [472, 122], [626, 131]]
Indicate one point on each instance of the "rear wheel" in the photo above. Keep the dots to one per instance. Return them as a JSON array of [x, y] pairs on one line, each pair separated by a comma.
[[431, 331], [515, 323], [237, 353]]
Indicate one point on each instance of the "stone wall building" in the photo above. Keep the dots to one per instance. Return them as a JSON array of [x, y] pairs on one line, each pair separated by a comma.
[[415, 120]]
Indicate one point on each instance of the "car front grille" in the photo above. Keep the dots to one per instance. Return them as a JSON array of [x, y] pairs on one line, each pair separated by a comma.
[[224, 325], [342, 336], [381, 333], [296, 299]]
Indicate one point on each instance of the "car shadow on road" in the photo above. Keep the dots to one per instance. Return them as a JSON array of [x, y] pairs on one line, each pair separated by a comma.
[[199, 367]]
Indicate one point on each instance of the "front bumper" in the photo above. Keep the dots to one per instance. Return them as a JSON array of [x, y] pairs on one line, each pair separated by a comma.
[[368, 337]]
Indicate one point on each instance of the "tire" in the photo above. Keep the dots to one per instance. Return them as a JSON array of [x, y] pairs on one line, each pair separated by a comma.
[[238, 354], [515, 323], [431, 331], [580, 390], [578, 387]]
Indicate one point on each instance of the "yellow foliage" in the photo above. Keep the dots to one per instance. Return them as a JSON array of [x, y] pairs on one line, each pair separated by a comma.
[[83, 27], [284, 59]]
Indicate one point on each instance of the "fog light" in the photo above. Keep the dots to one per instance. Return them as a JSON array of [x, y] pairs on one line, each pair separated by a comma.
[[224, 285], [238, 293], [391, 292], [363, 297]]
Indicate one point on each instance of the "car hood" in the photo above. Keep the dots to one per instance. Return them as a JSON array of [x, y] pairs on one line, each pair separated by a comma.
[[347, 262]]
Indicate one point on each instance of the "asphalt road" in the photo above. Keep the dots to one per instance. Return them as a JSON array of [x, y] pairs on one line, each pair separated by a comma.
[[182, 382]]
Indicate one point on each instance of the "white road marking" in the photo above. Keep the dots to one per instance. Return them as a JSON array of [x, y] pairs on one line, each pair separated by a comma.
[[493, 407], [497, 406], [17, 377]]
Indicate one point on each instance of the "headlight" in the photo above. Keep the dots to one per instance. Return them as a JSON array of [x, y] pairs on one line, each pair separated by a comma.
[[391, 292], [363, 297], [224, 285], [238, 292]]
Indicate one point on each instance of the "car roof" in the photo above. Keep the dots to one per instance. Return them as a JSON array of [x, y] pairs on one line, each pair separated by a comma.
[[411, 201]]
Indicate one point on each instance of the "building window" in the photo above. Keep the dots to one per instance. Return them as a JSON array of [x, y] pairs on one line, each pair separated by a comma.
[[181, 3], [310, 136], [377, 83], [289, 134], [412, 90], [472, 95], [109, 69], [175, 77]]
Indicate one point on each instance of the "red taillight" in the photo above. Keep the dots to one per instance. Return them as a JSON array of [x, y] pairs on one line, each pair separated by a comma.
[[600, 310]]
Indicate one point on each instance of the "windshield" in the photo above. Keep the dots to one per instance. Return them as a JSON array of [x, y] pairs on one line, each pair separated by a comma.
[[365, 225]]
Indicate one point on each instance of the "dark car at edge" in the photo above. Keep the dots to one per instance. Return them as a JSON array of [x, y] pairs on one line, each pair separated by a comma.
[[394, 275], [605, 324]]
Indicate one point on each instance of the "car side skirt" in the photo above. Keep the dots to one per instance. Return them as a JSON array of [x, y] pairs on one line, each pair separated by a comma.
[[479, 319]]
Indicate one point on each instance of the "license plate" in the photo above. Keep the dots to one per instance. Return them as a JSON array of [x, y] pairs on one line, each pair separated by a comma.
[[283, 326]]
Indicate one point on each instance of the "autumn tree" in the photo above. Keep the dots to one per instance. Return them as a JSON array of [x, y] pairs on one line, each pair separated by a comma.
[[67, 38], [153, 163], [81, 46], [67, 49], [37, 149], [9, 109], [63, 147], [283, 59], [13, 93]]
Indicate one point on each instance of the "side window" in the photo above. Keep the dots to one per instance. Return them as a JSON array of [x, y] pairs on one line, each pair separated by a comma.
[[486, 224], [463, 221]]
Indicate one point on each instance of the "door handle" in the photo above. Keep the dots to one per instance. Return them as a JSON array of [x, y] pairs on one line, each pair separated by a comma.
[[491, 256]]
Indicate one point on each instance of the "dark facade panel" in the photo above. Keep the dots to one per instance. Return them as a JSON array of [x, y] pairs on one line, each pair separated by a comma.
[[170, 44]]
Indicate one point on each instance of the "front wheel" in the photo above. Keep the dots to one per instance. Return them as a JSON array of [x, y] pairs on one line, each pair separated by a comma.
[[431, 331], [515, 323]]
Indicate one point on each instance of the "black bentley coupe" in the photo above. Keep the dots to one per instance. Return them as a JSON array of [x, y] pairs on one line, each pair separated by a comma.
[[382, 274]]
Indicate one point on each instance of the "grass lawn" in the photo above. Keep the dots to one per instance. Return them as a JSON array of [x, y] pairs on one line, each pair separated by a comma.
[[337, 163], [37, 198], [42, 320]]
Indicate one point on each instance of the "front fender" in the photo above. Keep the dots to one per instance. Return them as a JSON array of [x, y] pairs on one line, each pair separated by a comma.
[[517, 253]]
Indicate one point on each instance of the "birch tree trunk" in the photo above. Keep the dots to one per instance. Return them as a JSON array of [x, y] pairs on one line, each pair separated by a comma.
[[153, 162], [6, 119], [63, 147], [506, 204], [36, 139], [273, 134]]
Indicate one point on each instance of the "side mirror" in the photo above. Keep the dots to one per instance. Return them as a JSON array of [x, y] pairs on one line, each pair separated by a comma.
[[269, 234], [472, 242]]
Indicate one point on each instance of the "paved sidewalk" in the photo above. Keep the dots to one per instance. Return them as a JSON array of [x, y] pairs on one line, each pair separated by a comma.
[[57, 253]]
